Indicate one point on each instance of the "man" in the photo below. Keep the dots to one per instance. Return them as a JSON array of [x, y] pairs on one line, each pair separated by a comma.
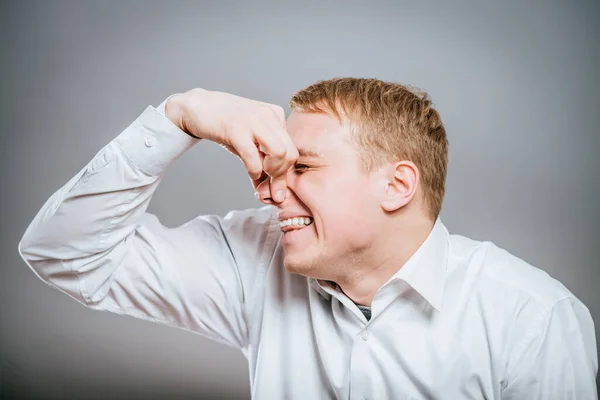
[[346, 285]]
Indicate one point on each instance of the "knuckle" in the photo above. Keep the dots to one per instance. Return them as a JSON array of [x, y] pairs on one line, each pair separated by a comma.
[[272, 171], [278, 110], [252, 119], [253, 170], [291, 156], [245, 150], [279, 152], [278, 172], [266, 109]]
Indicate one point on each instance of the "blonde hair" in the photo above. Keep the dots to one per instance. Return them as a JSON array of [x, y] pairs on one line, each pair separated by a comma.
[[391, 122]]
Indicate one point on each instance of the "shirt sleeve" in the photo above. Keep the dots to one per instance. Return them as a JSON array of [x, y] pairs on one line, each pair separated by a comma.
[[557, 358], [94, 240]]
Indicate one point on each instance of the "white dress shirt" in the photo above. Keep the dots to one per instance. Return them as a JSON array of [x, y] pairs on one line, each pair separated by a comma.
[[461, 319]]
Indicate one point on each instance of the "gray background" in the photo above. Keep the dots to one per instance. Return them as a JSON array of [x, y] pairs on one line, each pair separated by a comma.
[[517, 86]]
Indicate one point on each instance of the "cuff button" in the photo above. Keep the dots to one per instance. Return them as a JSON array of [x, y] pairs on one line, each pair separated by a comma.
[[149, 142]]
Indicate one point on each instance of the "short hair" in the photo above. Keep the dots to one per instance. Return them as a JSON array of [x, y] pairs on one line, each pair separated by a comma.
[[390, 122]]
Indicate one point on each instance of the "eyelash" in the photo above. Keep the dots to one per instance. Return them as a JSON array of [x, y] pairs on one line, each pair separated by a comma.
[[300, 168]]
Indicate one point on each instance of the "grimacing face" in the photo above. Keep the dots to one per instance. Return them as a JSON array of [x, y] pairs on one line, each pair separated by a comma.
[[341, 201]]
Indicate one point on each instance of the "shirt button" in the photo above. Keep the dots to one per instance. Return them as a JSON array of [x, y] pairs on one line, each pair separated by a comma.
[[365, 335], [149, 142]]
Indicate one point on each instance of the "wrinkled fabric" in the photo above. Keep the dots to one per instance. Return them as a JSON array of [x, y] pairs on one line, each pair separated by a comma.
[[462, 319]]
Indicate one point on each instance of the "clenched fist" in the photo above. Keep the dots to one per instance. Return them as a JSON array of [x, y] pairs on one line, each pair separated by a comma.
[[252, 130]]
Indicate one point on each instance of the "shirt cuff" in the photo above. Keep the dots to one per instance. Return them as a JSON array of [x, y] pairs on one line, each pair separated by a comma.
[[152, 142], [161, 107]]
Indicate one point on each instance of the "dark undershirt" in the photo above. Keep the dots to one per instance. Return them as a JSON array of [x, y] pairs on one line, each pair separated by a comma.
[[365, 310]]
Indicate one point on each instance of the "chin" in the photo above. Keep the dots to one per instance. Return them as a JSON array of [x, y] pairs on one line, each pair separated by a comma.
[[299, 265]]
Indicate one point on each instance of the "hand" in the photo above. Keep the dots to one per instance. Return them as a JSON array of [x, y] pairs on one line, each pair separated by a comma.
[[252, 130]]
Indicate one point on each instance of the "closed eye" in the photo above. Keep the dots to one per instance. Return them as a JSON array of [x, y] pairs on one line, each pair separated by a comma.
[[301, 168]]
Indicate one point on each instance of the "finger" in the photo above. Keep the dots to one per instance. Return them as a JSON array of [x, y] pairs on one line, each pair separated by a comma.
[[276, 168], [275, 110], [278, 187], [256, 182], [279, 126], [263, 174], [275, 161], [249, 154], [275, 164], [291, 150], [279, 113], [263, 191]]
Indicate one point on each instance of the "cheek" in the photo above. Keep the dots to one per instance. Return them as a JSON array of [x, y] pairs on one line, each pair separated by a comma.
[[345, 234], [330, 197], [345, 208]]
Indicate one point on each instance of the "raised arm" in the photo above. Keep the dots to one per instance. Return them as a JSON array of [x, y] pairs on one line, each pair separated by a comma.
[[94, 240]]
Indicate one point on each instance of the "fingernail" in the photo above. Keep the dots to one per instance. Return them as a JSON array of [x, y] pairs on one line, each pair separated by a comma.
[[257, 195], [279, 196]]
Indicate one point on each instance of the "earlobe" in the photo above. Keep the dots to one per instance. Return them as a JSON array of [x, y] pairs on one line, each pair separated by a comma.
[[401, 185]]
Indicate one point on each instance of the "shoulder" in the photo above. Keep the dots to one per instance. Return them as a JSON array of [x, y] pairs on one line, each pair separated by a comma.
[[495, 271], [525, 311]]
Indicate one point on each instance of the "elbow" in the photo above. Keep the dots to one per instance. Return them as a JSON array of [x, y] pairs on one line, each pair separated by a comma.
[[53, 271], [48, 262], [38, 264]]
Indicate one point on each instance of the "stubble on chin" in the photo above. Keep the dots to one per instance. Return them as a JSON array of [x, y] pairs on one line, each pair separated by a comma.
[[304, 267]]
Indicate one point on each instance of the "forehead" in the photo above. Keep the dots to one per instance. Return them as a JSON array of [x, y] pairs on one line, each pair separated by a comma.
[[320, 133]]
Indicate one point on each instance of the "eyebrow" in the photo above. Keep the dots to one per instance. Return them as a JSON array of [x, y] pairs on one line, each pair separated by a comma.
[[309, 153]]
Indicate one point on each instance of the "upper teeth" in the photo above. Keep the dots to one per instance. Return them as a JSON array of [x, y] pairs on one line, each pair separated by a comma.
[[295, 221]]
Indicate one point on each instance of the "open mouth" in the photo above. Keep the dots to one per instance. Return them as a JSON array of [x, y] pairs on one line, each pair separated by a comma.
[[295, 223]]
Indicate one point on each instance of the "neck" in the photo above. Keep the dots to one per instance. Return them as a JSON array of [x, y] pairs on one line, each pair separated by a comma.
[[382, 262]]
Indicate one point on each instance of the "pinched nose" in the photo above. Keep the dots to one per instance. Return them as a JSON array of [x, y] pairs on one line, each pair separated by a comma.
[[264, 190], [264, 193]]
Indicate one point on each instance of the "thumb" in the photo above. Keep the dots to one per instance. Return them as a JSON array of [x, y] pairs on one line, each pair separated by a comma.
[[278, 188]]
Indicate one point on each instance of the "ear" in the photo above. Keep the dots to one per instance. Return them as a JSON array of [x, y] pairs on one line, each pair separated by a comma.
[[401, 185]]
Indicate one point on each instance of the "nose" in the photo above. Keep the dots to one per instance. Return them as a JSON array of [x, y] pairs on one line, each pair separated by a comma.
[[263, 189]]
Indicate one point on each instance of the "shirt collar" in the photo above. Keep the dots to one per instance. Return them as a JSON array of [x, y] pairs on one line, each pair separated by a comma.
[[425, 270]]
